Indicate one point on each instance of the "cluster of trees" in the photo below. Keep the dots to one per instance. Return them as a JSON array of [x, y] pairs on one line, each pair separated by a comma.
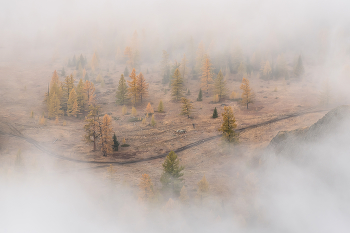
[[66, 98], [134, 90]]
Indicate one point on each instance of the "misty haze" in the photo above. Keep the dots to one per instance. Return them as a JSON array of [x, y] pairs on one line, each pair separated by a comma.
[[174, 116]]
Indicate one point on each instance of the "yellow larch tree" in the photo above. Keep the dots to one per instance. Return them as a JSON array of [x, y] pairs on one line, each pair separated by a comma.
[[228, 125], [81, 97], [177, 87], [146, 188], [247, 94], [220, 86], [92, 127], [54, 106], [142, 86], [89, 89], [133, 91], [186, 107], [67, 87], [72, 104], [149, 109], [129, 57], [183, 195], [207, 80], [106, 134], [203, 188]]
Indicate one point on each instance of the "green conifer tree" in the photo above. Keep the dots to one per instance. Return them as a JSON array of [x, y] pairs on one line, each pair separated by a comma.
[[172, 173], [177, 85], [122, 91], [115, 143], [215, 113], [200, 95]]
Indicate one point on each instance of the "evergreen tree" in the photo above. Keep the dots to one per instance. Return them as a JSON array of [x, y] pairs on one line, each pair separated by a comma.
[[72, 104], [220, 86], [133, 91], [126, 72], [207, 80], [91, 127], [188, 92], [172, 173], [177, 85], [299, 68], [142, 86], [115, 143], [160, 106], [228, 125], [199, 95], [146, 188], [247, 95], [106, 134], [215, 113], [63, 72], [122, 91], [186, 107]]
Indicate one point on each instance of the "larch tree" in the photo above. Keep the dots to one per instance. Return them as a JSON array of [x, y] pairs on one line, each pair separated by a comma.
[[146, 188], [299, 68], [183, 195], [142, 86], [171, 177], [206, 79], [247, 94], [186, 107], [89, 89], [54, 106], [228, 125], [106, 134], [72, 104], [153, 121], [81, 97], [149, 109], [203, 187], [67, 87], [129, 57], [133, 91], [177, 87], [92, 129], [122, 91], [220, 86]]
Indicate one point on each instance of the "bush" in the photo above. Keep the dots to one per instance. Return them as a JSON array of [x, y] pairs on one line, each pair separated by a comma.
[[125, 145]]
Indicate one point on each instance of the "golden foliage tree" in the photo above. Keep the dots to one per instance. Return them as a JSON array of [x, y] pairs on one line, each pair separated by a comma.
[[186, 107], [67, 87], [81, 96], [203, 187], [247, 94], [133, 111], [228, 125], [177, 87], [72, 104], [89, 89], [122, 91], [129, 57], [54, 106], [207, 80], [146, 188], [124, 110], [106, 134], [220, 86], [183, 195], [149, 109], [153, 121], [142, 86], [92, 129], [133, 91]]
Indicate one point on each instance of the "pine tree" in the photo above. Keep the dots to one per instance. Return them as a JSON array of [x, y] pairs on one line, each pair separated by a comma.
[[172, 173], [72, 104], [188, 92], [146, 188], [177, 85], [183, 195], [247, 95], [186, 107], [160, 106], [220, 86], [142, 86], [126, 72], [106, 134], [54, 106], [81, 97], [133, 92], [89, 92], [199, 95], [149, 109], [207, 80], [91, 127], [115, 143], [228, 125], [215, 113], [122, 91], [299, 68]]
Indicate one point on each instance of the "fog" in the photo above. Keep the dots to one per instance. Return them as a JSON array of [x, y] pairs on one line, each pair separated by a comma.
[[308, 191]]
